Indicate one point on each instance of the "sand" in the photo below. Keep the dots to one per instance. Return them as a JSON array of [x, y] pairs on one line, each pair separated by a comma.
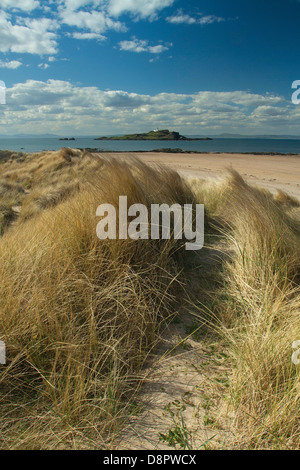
[[271, 171]]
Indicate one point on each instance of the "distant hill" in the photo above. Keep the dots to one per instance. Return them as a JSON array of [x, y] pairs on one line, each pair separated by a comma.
[[153, 135], [29, 136]]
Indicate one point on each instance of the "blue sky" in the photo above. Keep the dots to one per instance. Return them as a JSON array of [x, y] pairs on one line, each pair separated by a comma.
[[116, 66]]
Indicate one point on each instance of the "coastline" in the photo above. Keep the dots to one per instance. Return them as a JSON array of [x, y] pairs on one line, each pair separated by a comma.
[[274, 171], [188, 152]]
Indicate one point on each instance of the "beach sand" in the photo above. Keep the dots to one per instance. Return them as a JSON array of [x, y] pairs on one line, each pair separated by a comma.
[[270, 171]]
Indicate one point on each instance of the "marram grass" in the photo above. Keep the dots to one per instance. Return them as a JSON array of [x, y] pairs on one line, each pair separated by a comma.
[[80, 316]]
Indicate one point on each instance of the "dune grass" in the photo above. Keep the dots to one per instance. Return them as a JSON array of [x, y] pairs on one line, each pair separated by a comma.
[[79, 317], [257, 316]]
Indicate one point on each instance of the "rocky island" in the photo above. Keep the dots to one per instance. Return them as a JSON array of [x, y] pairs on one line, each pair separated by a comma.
[[153, 135]]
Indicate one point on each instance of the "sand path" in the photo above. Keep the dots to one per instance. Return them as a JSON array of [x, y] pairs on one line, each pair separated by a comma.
[[180, 403]]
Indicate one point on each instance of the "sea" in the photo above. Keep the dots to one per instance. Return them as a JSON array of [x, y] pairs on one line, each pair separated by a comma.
[[231, 145]]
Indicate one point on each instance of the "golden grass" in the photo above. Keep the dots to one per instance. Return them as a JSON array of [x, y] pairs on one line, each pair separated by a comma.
[[41, 180], [258, 313], [79, 316], [286, 199]]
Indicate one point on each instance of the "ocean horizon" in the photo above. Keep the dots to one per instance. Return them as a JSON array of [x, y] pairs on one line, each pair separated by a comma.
[[222, 145]]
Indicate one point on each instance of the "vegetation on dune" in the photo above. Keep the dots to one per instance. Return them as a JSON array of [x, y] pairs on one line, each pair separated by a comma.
[[261, 317], [257, 307], [80, 317]]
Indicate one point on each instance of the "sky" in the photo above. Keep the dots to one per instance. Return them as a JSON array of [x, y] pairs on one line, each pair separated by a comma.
[[104, 67]]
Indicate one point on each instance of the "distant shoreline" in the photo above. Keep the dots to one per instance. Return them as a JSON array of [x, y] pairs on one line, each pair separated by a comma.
[[156, 151], [217, 146], [189, 152]]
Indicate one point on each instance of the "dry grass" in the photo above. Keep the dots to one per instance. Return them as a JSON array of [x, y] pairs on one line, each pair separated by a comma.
[[48, 196], [286, 199], [11, 194], [258, 313], [80, 316], [41, 180]]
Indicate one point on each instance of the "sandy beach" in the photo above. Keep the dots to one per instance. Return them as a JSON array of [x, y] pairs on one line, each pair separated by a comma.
[[270, 171]]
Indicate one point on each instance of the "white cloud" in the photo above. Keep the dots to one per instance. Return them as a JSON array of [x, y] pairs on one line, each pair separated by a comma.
[[12, 64], [240, 98], [138, 8], [73, 5], [269, 114], [38, 93], [181, 18], [93, 21], [34, 36], [61, 107], [86, 19], [210, 19], [82, 36], [139, 45], [43, 66], [158, 49], [122, 99], [25, 5]]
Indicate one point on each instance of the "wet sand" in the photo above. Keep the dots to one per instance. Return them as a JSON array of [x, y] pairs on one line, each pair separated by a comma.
[[271, 171]]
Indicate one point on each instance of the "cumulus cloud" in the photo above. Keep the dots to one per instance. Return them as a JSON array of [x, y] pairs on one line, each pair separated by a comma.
[[88, 19], [76, 4], [181, 18], [43, 66], [138, 8], [12, 64], [93, 21], [60, 106], [82, 36], [84, 20], [241, 98], [38, 93], [25, 5], [139, 45], [122, 99], [270, 114], [34, 36], [98, 16]]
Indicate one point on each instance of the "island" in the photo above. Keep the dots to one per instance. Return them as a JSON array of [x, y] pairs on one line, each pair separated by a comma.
[[153, 135]]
